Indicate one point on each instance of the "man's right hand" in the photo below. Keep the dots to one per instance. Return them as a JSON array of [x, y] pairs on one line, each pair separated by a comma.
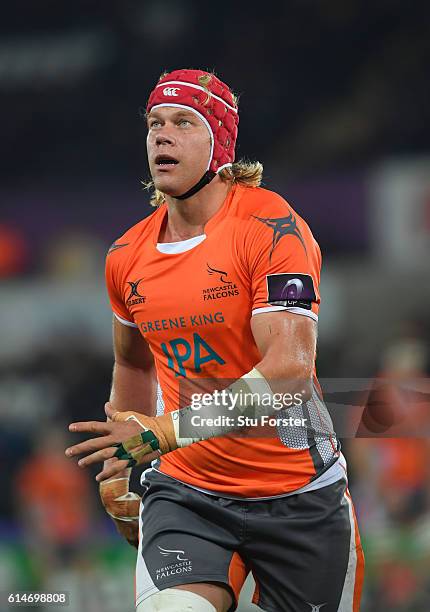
[[122, 506]]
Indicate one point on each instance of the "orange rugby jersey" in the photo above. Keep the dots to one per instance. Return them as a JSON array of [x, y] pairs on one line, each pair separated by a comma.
[[194, 309]]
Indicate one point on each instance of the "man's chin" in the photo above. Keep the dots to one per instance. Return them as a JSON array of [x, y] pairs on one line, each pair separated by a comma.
[[170, 188]]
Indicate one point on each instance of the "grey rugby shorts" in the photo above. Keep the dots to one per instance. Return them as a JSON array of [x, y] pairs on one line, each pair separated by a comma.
[[303, 550]]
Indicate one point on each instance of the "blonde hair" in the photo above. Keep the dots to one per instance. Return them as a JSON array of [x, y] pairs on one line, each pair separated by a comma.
[[243, 172]]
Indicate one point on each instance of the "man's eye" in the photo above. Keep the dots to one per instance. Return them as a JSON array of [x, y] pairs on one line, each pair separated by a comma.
[[184, 122], [154, 124]]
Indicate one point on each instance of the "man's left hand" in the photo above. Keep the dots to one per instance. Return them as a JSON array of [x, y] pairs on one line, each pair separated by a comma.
[[131, 438]]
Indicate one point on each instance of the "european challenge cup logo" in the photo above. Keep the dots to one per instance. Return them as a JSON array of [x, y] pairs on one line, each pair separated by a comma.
[[291, 290]]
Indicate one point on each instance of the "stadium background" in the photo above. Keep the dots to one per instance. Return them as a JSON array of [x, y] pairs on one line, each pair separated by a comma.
[[335, 103]]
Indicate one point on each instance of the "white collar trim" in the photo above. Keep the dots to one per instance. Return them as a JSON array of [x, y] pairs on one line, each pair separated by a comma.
[[172, 248]]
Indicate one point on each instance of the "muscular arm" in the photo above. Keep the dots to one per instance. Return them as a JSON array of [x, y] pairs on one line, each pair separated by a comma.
[[287, 344], [133, 388], [134, 385]]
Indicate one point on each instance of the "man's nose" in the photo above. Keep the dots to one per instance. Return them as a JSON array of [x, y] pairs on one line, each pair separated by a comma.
[[164, 137]]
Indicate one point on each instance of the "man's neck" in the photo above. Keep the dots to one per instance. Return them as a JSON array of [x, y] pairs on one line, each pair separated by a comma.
[[187, 218]]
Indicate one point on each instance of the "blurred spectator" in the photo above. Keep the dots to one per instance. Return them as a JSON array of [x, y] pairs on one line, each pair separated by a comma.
[[74, 255], [391, 480], [54, 502], [13, 252]]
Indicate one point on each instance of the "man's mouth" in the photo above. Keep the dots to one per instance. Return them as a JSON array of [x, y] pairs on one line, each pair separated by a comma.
[[165, 161]]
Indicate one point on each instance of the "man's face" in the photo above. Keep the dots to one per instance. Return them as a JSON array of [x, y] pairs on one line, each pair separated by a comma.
[[178, 146]]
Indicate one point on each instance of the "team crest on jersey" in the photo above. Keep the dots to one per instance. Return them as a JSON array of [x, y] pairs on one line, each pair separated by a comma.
[[282, 226], [224, 286], [316, 607], [135, 296]]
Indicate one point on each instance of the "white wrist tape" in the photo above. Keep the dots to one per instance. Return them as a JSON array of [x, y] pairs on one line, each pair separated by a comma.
[[245, 392], [181, 442]]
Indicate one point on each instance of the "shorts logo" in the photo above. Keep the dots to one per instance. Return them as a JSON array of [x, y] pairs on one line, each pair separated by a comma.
[[134, 293], [227, 289], [180, 565], [281, 227], [166, 553], [171, 91], [316, 607], [291, 290]]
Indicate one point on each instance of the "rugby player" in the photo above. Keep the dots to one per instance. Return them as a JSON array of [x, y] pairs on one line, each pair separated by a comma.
[[221, 282]]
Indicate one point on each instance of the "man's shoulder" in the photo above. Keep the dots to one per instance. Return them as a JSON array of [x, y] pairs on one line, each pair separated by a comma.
[[265, 210], [125, 243], [260, 203]]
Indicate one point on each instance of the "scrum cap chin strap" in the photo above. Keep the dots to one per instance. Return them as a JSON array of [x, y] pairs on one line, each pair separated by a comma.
[[206, 178]]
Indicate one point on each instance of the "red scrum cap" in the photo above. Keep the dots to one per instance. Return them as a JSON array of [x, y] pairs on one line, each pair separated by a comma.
[[213, 102]]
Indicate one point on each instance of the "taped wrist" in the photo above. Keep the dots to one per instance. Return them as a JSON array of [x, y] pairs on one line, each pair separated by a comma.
[[158, 436], [120, 503], [176, 429], [243, 396]]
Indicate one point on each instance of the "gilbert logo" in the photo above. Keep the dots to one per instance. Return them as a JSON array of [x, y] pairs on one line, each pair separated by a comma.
[[171, 91], [135, 297], [166, 553]]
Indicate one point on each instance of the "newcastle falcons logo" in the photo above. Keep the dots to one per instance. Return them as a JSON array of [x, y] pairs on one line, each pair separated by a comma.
[[316, 607], [222, 274], [171, 91], [166, 553]]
